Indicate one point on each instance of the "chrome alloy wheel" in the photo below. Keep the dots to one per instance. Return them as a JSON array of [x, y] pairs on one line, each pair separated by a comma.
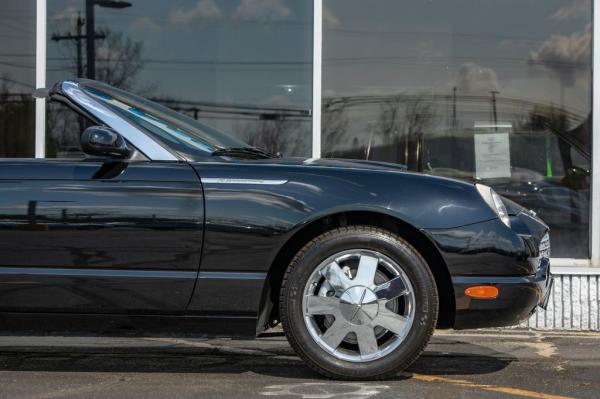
[[358, 305]]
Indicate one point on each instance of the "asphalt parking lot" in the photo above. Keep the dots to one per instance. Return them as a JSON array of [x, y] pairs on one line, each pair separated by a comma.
[[480, 364]]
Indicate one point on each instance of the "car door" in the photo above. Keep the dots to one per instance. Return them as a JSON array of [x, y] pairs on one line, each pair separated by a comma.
[[93, 236]]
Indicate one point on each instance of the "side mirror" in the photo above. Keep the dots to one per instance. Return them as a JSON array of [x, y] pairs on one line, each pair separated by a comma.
[[104, 142]]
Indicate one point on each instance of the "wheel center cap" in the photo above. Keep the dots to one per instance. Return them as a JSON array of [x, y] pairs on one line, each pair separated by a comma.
[[359, 305]]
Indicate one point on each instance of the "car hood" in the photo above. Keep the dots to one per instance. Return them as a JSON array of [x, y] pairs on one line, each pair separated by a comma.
[[326, 186]]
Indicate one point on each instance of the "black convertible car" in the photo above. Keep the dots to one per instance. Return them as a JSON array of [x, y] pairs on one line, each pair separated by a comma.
[[168, 226]]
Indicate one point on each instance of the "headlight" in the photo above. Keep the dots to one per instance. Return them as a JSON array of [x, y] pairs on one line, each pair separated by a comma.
[[494, 201]]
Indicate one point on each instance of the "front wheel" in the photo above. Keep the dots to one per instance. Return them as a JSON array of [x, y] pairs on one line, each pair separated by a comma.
[[358, 303]]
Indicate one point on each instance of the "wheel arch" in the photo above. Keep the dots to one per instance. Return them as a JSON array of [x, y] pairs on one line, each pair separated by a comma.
[[269, 308]]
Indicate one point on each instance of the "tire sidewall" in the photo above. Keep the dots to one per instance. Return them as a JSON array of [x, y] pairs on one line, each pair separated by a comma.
[[405, 256]]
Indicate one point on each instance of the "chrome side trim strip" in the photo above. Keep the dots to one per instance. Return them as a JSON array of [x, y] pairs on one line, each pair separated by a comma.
[[98, 273], [232, 275], [149, 147], [112, 273], [224, 180]]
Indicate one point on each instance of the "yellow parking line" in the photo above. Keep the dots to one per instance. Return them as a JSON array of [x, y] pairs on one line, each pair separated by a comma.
[[486, 387]]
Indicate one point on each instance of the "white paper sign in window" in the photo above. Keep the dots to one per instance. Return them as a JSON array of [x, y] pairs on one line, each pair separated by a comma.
[[492, 150]]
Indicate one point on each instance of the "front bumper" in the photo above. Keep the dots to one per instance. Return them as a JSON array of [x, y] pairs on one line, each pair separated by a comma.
[[515, 259], [517, 300]]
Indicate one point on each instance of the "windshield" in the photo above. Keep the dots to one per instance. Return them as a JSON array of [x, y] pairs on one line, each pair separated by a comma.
[[190, 138]]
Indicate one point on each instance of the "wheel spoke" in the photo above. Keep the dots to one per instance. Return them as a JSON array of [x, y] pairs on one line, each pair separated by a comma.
[[322, 305], [367, 343], [365, 274], [335, 276], [346, 307], [391, 321], [336, 333], [391, 289]]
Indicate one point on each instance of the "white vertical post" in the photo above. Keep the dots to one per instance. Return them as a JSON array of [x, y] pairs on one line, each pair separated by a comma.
[[595, 191], [40, 79], [317, 75]]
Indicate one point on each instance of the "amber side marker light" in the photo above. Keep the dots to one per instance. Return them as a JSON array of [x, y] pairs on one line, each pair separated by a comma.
[[482, 292]]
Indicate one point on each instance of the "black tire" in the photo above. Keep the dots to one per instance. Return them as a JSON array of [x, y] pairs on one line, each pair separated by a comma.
[[336, 241]]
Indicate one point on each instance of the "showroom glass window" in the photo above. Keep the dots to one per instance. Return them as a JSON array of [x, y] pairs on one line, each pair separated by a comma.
[[17, 78], [241, 66], [497, 91]]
